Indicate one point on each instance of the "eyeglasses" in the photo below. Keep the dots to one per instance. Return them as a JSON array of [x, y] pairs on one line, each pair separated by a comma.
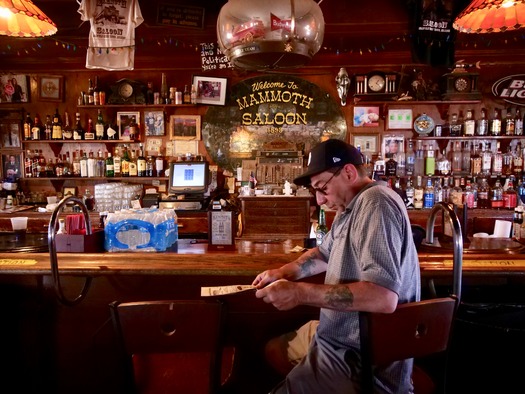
[[322, 189]]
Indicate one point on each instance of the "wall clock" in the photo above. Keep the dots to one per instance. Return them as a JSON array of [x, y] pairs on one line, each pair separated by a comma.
[[127, 91], [376, 84], [461, 85]]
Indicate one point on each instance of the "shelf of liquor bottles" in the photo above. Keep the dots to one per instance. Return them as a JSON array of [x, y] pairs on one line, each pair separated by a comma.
[[56, 145], [443, 141]]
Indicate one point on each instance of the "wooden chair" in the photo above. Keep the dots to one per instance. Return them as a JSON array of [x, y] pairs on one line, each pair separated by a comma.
[[416, 329], [170, 346]]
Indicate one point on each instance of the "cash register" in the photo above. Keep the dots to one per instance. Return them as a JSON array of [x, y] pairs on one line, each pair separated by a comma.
[[188, 181]]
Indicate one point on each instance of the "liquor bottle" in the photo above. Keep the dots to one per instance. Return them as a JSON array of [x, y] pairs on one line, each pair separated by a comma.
[[410, 159], [517, 156], [150, 166], [401, 160], [321, 229], [486, 159], [141, 163], [409, 192], [90, 131], [508, 162], [517, 221], [496, 195], [456, 194], [28, 125], [28, 160], [37, 131], [48, 131], [430, 161], [91, 165], [510, 123], [186, 97], [510, 197], [110, 171], [518, 123], [475, 162], [521, 190], [457, 158], [419, 167], [68, 166], [418, 194], [482, 123], [84, 165], [469, 125], [438, 191], [465, 157], [446, 189], [455, 127], [117, 163], [443, 164], [67, 132], [149, 94], [390, 165], [59, 167], [469, 196], [78, 131], [100, 165], [90, 93], [56, 134], [495, 123], [133, 129], [428, 195], [100, 126], [193, 94], [76, 163], [89, 200], [164, 93], [159, 165], [124, 163], [133, 169], [497, 161]]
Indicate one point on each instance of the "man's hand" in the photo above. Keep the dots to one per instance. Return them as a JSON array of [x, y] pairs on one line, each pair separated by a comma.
[[284, 295]]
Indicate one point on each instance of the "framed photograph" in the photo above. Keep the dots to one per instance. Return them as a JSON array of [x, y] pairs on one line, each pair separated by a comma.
[[391, 144], [366, 116], [10, 133], [399, 119], [14, 88], [154, 123], [123, 122], [210, 90], [369, 143], [185, 127], [69, 190], [12, 166], [51, 88]]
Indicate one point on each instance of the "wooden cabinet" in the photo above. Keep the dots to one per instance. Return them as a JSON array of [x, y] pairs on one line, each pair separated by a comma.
[[275, 216]]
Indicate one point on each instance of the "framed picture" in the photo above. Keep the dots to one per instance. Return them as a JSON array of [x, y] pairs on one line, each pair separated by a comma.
[[69, 190], [366, 116], [210, 90], [51, 88], [123, 121], [399, 119], [185, 127], [12, 166], [367, 142], [154, 123], [391, 144], [14, 88], [10, 133]]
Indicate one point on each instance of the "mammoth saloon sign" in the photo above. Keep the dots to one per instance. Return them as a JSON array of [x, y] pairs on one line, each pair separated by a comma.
[[262, 110], [511, 89]]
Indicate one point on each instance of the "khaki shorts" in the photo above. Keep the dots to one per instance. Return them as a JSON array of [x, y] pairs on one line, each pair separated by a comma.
[[298, 341]]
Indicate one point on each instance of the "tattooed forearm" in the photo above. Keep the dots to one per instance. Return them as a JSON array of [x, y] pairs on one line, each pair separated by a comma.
[[307, 268], [339, 297]]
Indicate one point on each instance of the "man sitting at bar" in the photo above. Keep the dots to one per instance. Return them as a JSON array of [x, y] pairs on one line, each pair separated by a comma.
[[370, 263]]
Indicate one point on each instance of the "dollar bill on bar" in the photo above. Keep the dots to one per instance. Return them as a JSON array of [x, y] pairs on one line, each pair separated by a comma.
[[224, 290]]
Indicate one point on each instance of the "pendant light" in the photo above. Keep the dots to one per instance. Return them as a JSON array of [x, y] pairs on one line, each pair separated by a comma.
[[491, 16], [270, 34], [21, 18]]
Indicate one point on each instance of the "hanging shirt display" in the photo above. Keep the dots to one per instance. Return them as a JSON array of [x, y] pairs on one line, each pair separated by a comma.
[[112, 33]]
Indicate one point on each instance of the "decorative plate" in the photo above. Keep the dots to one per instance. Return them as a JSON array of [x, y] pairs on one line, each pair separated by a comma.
[[424, 124]]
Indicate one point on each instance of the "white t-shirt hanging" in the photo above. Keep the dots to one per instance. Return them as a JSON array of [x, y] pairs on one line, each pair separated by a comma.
[[112, 33]]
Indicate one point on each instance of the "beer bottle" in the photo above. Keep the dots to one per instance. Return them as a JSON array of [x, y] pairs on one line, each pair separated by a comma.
[[321, 229]]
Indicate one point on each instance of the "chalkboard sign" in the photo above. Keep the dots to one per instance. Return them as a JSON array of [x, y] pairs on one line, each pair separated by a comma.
[[181, 16], [212, 57]]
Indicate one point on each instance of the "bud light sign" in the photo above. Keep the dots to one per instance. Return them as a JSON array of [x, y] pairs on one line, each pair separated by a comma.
[[511, 89]]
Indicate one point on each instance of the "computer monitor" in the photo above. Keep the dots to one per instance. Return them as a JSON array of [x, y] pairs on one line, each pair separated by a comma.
[[189, 178]]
